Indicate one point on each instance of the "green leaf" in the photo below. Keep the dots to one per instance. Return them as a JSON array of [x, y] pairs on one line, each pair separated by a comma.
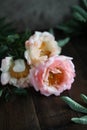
[[1, 91], [80, 10], [74, 105], [12, 38], [20, 91], [81, 120], [76, 23], [84, 97], [79, 17], [85, 3], [5, 28], [73, 23], [7, 96], [66, 28], [63, 42], [3, 49], [51, 31]]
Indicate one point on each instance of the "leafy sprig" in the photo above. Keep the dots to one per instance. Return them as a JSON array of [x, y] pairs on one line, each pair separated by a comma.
[[61, 42], [78, 22], [8, 91], [11, 44], [77, 107], [81, 120]]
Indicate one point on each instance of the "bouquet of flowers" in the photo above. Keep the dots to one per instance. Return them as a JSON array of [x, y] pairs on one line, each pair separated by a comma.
[[42, 66], [36, 61]]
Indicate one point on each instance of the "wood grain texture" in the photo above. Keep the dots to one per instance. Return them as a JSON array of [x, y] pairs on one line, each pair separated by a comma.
[[19, 114], [37, 112]]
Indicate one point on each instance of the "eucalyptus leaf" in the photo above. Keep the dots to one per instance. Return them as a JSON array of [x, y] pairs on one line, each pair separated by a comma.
[[74, 105], [3, 48], [51, 31], [66, 28], [7, 96], [77, 22], [80, 10], [85, 3], [12, 38], [63, 42], [5, 28], [73, 23], [1, 91], [79, 17], [20, 91], [81, 120], [84, 97]]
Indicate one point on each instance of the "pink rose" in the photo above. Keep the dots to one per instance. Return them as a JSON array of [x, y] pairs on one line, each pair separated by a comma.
[[54, 76]]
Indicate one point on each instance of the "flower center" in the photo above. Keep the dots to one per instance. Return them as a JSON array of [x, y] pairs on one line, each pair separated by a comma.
[[56, 78], [44, 50], [19, 70]]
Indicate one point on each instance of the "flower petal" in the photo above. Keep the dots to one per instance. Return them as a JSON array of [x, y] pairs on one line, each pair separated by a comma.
[[40, 47], [5, 64], [54, 76], [5, 77]]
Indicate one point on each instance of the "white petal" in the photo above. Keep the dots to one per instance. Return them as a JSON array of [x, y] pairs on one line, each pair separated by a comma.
[[5, 77], [13, 81], [27, 56], [5, 64]]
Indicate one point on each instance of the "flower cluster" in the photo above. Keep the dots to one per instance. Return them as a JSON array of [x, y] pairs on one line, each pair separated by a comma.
[[43, 67]]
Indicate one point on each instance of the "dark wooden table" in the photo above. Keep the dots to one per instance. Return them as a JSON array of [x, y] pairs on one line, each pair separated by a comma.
[[37, 112]]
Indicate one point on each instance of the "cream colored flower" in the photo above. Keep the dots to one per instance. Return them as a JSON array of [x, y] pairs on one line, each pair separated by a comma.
[[40, 47], [14, 72]]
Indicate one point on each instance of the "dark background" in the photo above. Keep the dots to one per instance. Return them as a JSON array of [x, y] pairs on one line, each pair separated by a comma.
[[36, 14]]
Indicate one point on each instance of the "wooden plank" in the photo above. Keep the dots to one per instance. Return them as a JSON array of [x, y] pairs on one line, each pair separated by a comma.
[[18, 114], [52, 112], [81, 72], [81, 46]]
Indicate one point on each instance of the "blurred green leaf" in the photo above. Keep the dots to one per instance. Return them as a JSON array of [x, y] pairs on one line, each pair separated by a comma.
[[7, 96], [85, 3], [1, 91], [20, 91], [63, 42], [84, 97], [74, 105], [77, 22], [3, 49], [79, 17], [80, 11], [66, 28], [51, 31], [81, 120], [12, 38]]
